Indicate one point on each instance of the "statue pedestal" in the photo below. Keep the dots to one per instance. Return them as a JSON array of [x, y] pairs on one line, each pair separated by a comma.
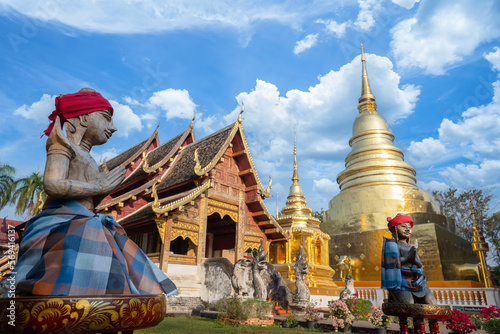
[[418, 312], [81, 314], [298, 308]]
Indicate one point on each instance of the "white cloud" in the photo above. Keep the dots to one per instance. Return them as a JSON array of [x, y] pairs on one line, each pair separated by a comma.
[[38, 111], [305, 44], [408, 4], [124, 119], [334, 28], [325, 186], [176, 103], [206, 124], [443, 32], [107, 154], [486, 173], [429, 149], [494, 58], [433, 186], [131, 101], [474, 139], [368, 9], [114, 16]]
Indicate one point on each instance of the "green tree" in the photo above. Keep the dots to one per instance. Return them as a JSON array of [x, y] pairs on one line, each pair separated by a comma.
[[459, 205], [7, 183], [29, 195], [492, 233], [319, 214]]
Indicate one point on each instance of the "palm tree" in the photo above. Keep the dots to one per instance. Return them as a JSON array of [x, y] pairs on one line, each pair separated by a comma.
[[7, 183], [29, 195]]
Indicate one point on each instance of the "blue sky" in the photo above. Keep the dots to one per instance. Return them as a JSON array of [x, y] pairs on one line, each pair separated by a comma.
[[433, 68]]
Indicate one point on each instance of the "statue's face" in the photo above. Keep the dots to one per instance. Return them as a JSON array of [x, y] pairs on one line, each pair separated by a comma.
[[403, 231], [100, 127]]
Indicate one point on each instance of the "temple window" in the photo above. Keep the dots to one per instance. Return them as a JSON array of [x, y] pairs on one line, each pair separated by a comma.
[[137, 239], [153, 244], [182, 246]]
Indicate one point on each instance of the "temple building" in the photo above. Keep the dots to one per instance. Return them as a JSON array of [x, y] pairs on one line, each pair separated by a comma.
[[186, 200], [303, 229], [377, 183]]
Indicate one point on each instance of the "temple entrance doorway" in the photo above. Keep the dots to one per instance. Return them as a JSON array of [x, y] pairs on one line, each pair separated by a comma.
[[221, 237]]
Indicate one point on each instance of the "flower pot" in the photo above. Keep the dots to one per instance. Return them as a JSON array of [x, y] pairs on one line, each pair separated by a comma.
[[381, 330], [348, 329], [311, 324]]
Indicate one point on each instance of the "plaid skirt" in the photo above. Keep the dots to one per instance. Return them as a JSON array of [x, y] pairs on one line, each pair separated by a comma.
[[69, 250]]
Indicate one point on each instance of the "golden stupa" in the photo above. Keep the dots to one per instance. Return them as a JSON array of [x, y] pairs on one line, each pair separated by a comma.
[[303, 229], [377, 183]]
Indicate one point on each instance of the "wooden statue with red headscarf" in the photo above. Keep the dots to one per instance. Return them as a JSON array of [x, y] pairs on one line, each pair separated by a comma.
[[402, 272], [68, 249]]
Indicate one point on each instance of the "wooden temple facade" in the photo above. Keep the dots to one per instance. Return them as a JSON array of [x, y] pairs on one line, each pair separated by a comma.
[[186, 200]]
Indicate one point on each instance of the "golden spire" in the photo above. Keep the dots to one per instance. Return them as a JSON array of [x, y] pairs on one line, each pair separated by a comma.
[[295, 188], [295, 177], [480, 246], [374, 159], [367, 100]]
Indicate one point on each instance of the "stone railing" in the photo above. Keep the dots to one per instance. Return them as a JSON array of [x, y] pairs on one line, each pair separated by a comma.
[[444, 296]]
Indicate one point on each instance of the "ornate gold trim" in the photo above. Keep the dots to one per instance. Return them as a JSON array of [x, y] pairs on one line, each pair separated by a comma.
[[192, 235], [157, 208], [223, 209], [249, 244], [161, 224], [182, 259]]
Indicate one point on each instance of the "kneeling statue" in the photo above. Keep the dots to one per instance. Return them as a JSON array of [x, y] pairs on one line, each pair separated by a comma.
[[403, 276]]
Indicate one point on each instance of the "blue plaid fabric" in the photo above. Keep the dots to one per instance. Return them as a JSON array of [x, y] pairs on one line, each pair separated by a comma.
[[397, 277], [391, 266], [69, 250]]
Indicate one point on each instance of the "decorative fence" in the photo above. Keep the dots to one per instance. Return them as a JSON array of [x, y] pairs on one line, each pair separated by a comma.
[[444, 296]]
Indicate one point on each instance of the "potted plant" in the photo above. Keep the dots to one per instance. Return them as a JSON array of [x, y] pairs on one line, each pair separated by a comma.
[[340, 315], [379, 319], [459, 323], [311, 315]]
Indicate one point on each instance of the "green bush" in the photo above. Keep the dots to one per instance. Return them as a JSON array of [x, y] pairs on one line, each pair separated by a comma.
[[292, 321], [257, 308], [231, 308], [492, 326], [237, 309], [361, 308]]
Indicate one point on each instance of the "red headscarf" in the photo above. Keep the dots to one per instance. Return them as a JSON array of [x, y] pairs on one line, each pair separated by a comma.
[[72, 105], [399, 219]]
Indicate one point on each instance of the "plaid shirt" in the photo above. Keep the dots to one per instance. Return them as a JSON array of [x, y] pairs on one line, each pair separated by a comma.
[[69, 250]]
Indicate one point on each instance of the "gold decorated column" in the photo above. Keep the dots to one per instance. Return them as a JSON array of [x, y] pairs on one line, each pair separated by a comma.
[[202, 235]]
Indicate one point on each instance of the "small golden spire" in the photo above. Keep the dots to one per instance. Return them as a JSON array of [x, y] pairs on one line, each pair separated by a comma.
[[295, 177], [367, 100], [194, 117]]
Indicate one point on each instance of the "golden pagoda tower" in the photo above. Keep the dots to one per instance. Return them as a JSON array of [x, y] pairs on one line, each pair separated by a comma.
[[377, 183], [303, 229]]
